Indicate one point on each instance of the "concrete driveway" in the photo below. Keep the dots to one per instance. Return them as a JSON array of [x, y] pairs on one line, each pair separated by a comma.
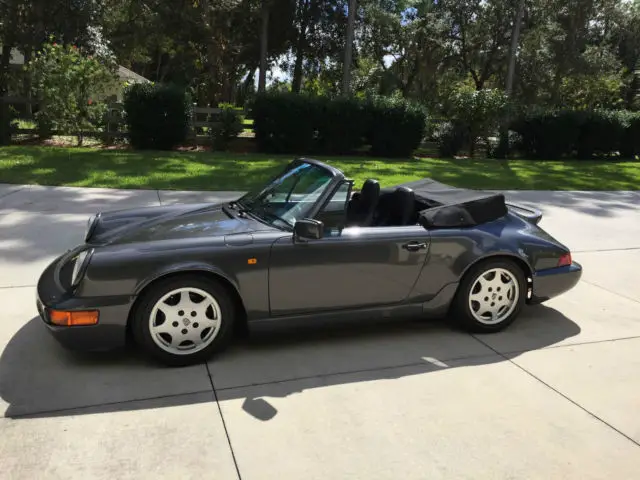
[[555, 396]]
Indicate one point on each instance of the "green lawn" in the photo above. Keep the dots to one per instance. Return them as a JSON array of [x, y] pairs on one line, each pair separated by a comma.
[[87, 167]]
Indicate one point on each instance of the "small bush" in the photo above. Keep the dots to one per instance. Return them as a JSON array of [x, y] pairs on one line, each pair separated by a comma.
[[231, 124], [157, 115], [396, 127], [8, 123]]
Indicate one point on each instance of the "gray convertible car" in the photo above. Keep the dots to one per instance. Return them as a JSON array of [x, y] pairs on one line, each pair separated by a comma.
[[306, 248]]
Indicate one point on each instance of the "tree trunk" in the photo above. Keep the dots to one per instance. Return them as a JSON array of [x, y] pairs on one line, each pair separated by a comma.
[[504, 146], [28, 82], [264, 39], [515, 38], [5, 120], [296, 83], [348, 48]]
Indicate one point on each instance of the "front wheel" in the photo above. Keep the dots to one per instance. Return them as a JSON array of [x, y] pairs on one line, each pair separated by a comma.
[[184, 320], [491, 296]]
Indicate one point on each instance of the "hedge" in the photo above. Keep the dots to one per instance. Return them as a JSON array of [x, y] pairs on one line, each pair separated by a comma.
[[303, 124], [580, 134], [157, 115], [396, 127]]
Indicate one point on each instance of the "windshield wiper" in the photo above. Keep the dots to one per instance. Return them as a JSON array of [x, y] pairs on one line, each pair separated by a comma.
[[264, 213]]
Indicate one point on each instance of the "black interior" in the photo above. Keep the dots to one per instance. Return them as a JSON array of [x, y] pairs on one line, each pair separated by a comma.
[[362, 207], [423, 202], [376, 207]]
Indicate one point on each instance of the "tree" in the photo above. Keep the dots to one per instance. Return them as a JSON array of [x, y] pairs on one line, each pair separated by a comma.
[[71, 88]]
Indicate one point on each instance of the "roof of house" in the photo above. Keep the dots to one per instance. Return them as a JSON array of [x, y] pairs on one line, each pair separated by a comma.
[[127, 74]]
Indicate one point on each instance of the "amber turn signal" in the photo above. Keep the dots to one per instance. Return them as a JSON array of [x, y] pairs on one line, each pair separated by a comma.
[[69, 319]]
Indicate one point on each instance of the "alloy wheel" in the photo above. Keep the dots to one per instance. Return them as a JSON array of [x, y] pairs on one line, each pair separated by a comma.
[[185, 321]]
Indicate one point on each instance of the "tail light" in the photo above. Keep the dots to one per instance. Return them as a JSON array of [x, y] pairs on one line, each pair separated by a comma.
[[565, 260]]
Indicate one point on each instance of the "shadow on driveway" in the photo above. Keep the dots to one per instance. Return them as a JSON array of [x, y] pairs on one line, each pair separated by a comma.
[[40, 379]]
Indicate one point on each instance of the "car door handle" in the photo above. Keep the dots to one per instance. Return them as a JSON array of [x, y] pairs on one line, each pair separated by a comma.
[[414, 246]]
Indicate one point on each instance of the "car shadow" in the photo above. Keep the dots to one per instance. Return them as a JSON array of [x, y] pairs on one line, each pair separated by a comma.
[[38, 378]]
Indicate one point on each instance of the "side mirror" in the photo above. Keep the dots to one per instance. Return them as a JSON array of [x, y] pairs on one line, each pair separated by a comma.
[[308, 228]]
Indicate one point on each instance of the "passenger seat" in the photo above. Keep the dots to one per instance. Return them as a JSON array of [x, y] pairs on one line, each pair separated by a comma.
[[399, 208], [362, 207]]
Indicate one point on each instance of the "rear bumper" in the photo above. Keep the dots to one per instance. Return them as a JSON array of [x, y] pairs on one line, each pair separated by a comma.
[[550, 283], [108, 334]]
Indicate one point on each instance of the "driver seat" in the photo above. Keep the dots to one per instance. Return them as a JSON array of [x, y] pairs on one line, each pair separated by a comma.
[[363, 205]]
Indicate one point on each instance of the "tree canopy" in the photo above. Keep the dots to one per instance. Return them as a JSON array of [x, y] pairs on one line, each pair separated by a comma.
[[570, 53]]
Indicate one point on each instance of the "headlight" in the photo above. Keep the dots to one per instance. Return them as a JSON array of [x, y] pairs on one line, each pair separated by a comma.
[[91, 226], [80, 266]]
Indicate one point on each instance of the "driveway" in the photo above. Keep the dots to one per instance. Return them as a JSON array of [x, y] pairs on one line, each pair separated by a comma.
[[555, 396]]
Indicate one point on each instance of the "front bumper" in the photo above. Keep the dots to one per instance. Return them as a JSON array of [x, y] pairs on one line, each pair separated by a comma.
[[108, 334], [552, 282]]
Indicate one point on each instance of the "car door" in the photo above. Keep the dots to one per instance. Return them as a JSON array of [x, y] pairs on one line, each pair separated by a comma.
[[355, 268]]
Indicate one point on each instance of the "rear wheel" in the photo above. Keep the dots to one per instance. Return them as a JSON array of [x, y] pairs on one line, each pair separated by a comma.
[[490, 296], [184, 320]]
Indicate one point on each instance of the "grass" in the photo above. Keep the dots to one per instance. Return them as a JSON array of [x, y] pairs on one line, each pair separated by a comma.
[[91, 167]]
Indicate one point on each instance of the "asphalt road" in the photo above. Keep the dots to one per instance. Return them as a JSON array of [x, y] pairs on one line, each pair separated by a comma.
[[555, 396]]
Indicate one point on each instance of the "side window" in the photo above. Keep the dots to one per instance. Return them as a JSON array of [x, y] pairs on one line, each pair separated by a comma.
[[333, 214]]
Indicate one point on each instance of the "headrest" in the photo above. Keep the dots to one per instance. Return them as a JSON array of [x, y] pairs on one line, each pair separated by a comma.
[[370, 188], [404, 194]]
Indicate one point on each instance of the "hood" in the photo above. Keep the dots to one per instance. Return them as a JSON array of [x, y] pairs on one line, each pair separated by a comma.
[[169, 222]]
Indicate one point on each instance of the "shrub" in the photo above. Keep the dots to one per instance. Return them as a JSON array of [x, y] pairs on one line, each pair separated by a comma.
[[157, 115], [601, 133], [230, 125], [452, 137], [8, 123], [479, 111], [284, 122], [580, 133], [548, 134], [70, 86], [630, 142], [342, 125], [291, 123], [396, 127]]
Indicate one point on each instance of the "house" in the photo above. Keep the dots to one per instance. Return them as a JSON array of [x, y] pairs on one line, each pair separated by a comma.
[[125, 76]]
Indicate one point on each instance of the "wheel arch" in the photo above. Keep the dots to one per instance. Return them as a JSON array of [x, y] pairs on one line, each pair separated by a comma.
[[521, 262], [201, 271]]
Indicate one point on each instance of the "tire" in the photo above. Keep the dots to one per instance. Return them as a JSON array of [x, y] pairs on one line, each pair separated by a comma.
[[479, 306], [184, 320]]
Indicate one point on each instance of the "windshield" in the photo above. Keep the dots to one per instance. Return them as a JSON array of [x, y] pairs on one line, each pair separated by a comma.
[[290, 196]]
